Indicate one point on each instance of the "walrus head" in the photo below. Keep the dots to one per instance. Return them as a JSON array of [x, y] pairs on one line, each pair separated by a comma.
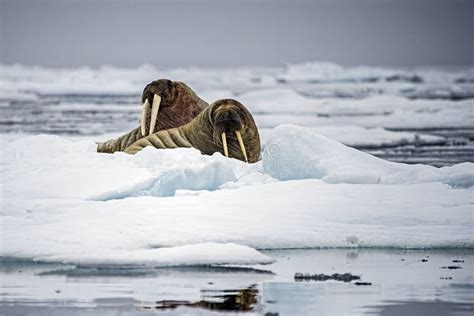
[[234, 130], [168, 104]]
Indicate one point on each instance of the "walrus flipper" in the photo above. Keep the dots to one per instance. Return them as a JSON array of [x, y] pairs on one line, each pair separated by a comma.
[[167, 139], [120, 143]]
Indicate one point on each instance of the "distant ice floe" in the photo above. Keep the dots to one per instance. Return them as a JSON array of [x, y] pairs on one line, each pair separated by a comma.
[[63, 202], [275, 107], [119, 81], [331, 72], [374, 137]]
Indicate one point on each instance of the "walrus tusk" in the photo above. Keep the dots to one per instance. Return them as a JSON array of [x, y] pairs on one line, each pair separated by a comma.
[[145, 108], [242, 147], [224, 144], [154, 112]]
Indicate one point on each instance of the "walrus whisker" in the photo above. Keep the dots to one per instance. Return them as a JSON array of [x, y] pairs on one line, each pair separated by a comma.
[[242, 147], [224, 144], [154, 112], [145, 109]]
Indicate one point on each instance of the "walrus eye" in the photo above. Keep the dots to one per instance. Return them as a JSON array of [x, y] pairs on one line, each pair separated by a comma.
[[154, 114]]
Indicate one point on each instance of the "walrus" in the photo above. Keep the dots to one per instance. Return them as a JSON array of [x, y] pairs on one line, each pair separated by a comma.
[[225, 126], [165, 104]]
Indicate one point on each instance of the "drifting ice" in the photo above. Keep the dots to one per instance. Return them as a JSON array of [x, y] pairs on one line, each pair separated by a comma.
[[77, 206]]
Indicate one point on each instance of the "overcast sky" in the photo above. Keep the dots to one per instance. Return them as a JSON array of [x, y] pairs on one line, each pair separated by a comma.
[[217, 33]]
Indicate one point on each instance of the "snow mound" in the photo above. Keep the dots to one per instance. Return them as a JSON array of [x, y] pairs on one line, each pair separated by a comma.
[[179, 169], [55, 167], [293, 152]]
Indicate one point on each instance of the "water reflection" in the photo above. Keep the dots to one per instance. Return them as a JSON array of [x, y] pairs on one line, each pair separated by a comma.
[[53, 289], [220, 300], [73, 271]]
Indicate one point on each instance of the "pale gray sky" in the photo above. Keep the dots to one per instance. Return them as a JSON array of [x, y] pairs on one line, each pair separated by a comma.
[[216, 33]]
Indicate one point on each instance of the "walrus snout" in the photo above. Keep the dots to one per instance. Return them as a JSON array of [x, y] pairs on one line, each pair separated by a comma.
[[227, 116], [168, 104], [156, 94], [228, 120], [162, 87]]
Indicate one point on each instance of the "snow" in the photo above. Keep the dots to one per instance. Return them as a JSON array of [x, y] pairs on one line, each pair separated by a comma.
[[63, 202], [294, 152]]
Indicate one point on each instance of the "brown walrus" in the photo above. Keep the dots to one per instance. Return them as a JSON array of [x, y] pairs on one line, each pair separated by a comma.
[[225, 126], [166, 104]]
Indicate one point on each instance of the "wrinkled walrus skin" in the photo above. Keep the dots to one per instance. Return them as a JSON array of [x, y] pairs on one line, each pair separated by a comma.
[[179, 105], [206, 132]]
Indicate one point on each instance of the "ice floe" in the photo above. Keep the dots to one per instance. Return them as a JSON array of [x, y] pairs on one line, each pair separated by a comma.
[[116, 80], [63, 202]]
